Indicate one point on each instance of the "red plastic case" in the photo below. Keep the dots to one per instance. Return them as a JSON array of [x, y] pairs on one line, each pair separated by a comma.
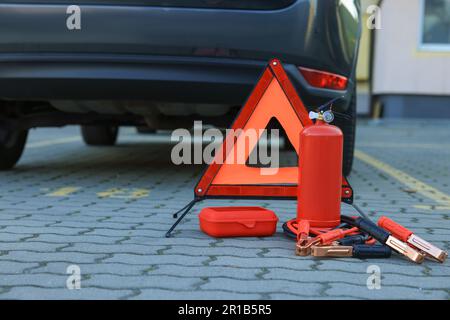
[[224, 222]]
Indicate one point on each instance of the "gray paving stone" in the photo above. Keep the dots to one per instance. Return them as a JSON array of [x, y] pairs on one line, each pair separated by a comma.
[[131, 282], [10, 237], [35, 293], [386, 292], [97, 268], [44, 280], [31, 246], [214, 251], [84, 238], [263, 286], [12, 267], [205, 271], [54, 230], [421, 282], [292, 262], [290, 296], [71, 257], [400, 267], [317, 276], [158, 294], [115, 248], [159, 259]]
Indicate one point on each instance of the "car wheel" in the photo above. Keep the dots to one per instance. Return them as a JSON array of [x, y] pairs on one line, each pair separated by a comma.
[[99, 135], [348, 127], [12, 143]]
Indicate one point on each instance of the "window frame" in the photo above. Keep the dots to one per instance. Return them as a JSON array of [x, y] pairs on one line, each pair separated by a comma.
[[429, 47]]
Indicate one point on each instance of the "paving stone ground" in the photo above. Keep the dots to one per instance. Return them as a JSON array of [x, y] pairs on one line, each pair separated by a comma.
[[106, 210]]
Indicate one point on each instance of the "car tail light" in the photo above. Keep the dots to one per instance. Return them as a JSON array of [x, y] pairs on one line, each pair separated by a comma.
[[325, 80]]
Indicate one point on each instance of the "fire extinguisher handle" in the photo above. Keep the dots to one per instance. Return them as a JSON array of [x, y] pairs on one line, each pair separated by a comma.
[[372, 229]]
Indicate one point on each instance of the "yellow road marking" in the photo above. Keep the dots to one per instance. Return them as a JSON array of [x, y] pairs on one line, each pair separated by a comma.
[[108, 193], [139, 193], [47, 143], [408, 180], [124, 193], [62, 192]]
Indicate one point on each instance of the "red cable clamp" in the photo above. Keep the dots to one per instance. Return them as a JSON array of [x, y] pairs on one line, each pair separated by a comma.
[[408, 236]]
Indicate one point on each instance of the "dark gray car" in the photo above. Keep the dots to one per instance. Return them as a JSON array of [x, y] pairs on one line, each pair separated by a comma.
[[160, 64]]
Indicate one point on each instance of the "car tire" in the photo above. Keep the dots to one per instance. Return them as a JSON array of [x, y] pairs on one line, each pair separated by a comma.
[[100, 135], [12, 143], [348, 127]]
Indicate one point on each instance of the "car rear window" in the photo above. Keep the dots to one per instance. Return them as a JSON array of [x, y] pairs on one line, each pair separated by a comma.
[[216, 4]]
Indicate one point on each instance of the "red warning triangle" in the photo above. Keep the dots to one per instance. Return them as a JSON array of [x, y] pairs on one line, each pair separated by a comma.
[[273, 97]]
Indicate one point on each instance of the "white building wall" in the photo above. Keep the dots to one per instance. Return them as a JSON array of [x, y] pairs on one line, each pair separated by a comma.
[[400, 66]]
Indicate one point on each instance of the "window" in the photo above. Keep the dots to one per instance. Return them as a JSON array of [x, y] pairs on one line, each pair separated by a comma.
[[435, 28]]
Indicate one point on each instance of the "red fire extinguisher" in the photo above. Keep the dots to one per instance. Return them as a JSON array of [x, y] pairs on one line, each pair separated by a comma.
[[320, 172]]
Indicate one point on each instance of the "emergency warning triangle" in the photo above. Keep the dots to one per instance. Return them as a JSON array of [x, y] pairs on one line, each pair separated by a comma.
[[273, 97]]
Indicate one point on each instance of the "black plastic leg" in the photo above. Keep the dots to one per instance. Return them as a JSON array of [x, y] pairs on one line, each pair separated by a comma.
[[185, 211]]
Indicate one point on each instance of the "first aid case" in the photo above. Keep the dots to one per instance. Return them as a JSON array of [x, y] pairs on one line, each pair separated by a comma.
[[221, 222]]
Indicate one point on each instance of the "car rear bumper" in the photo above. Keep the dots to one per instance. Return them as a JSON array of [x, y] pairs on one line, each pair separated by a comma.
[[132, 77]]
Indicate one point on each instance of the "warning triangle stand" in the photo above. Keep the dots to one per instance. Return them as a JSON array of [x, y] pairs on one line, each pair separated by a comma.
[[274, 96]]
